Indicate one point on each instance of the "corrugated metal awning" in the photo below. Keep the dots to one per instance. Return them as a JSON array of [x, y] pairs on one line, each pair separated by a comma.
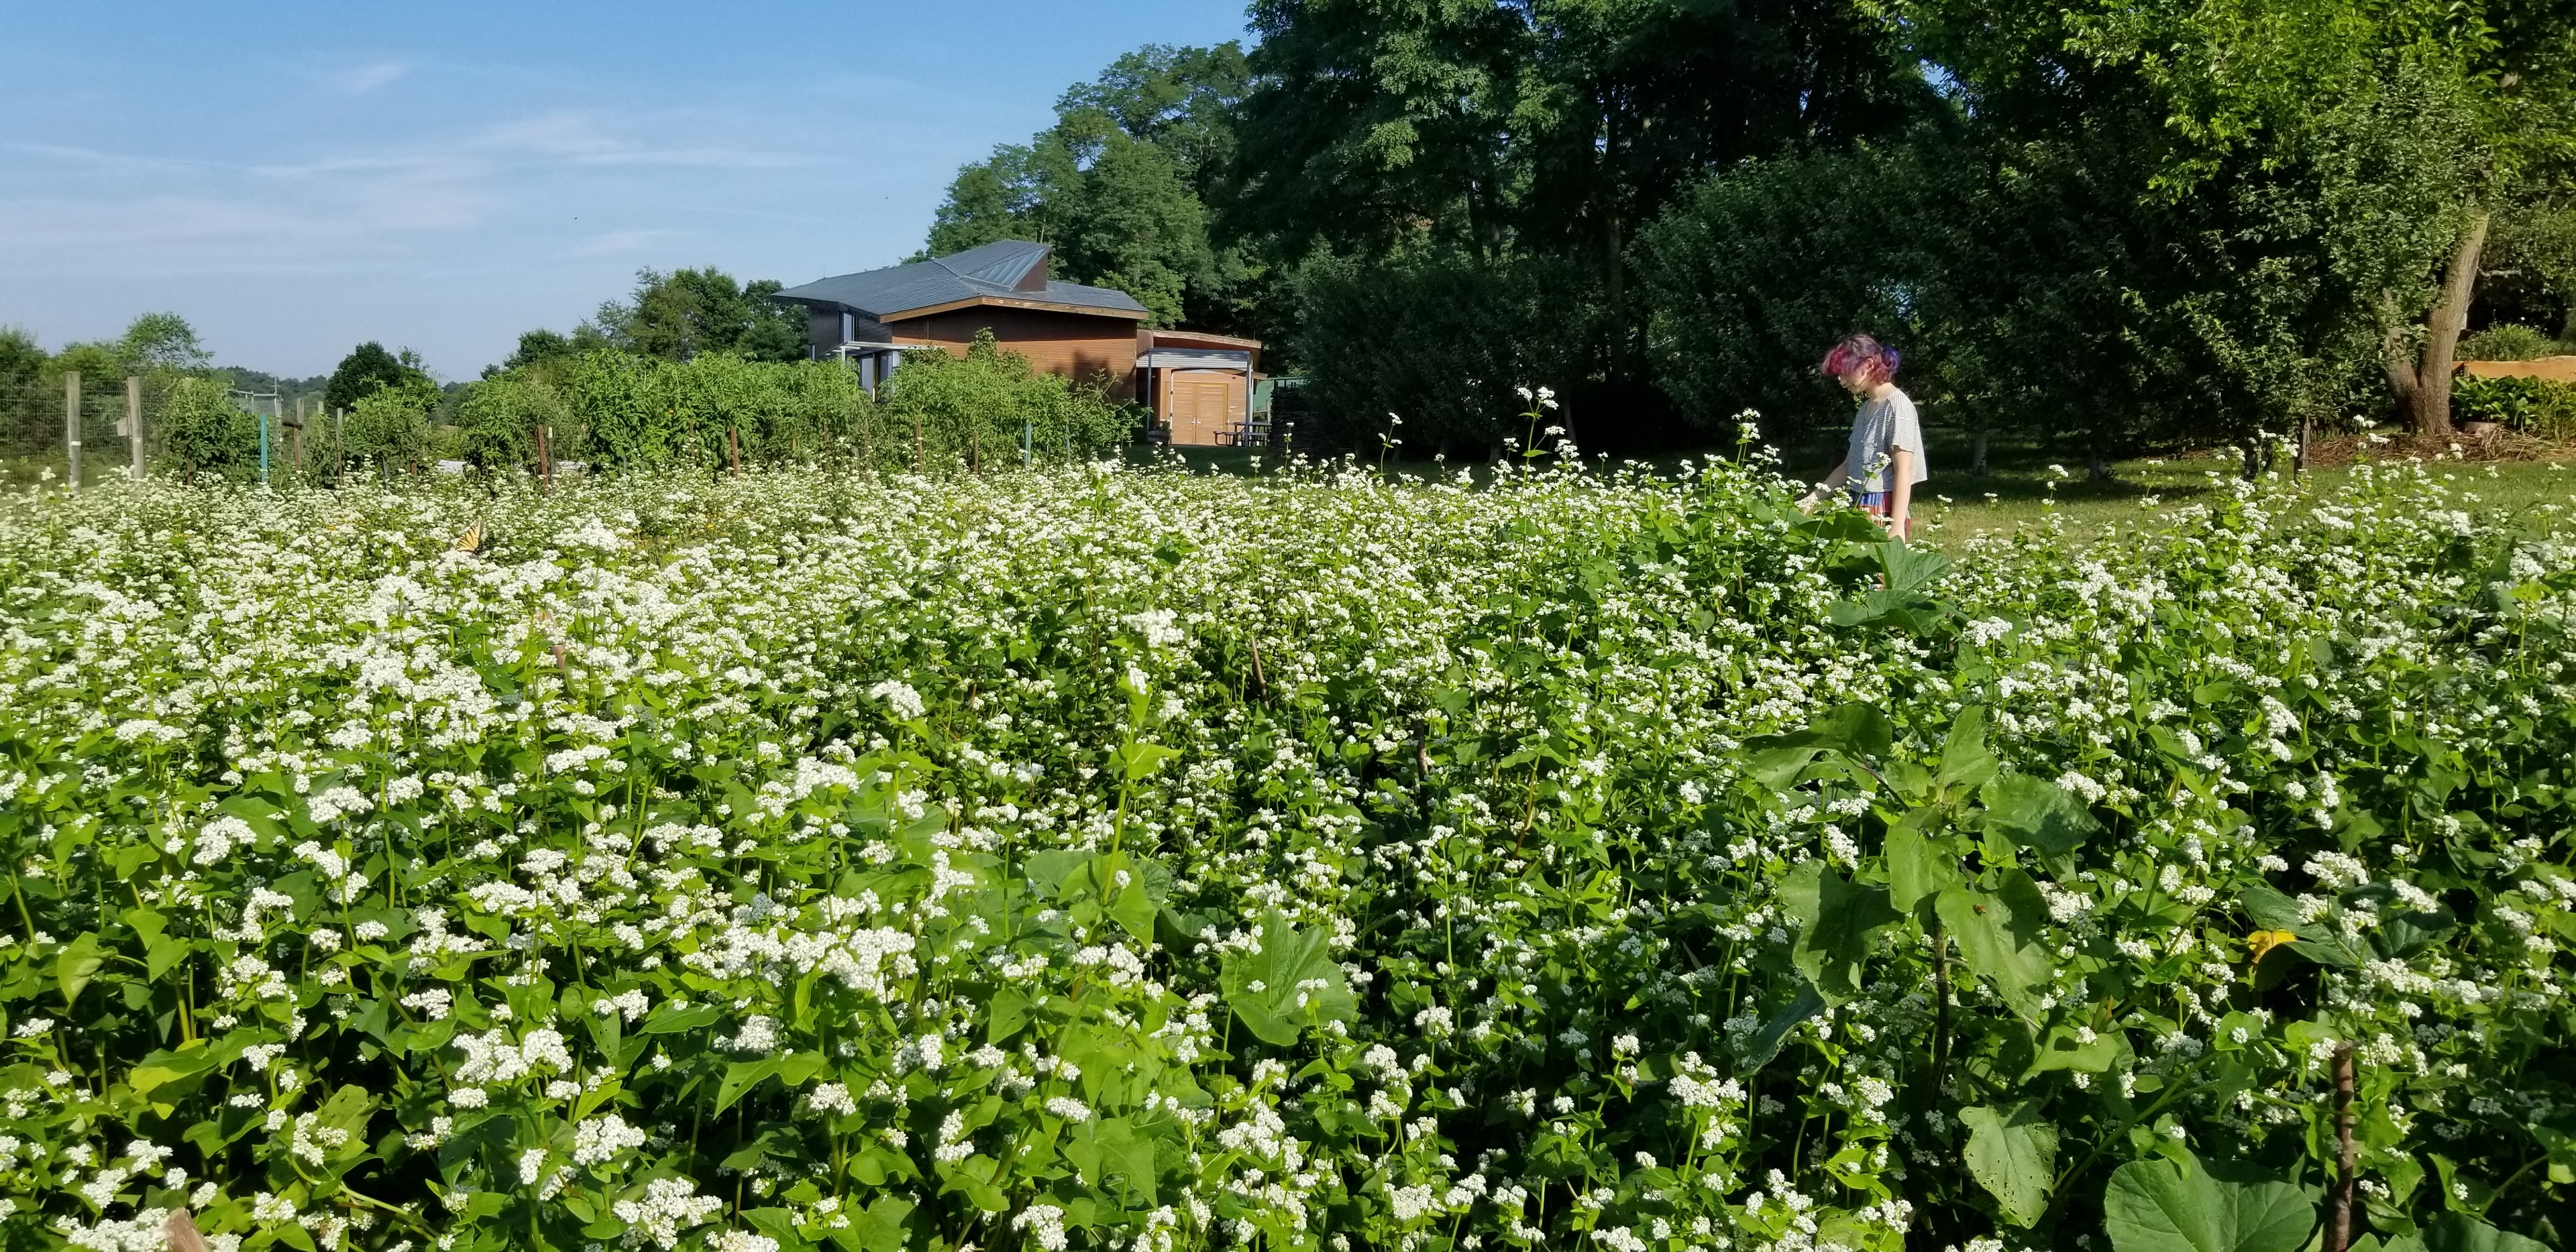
[[1195, 359]]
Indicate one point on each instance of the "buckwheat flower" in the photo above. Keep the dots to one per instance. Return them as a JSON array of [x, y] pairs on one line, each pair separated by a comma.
[[901, 698], [220, 837], [953, 1144], [338, 802], [832, 1098], [1045, 1224], [1069, 1109], [600, 1139]]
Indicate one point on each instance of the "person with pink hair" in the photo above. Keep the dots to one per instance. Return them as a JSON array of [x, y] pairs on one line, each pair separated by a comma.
[[1885, 457]]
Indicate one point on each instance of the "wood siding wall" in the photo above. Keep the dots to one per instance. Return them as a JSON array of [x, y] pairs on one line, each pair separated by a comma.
[[1079, 347]]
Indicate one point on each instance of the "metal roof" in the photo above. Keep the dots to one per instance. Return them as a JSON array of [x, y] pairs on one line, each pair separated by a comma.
[[1009, 269]]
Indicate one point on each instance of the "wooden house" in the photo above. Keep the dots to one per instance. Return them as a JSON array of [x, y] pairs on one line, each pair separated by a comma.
[[1198, 386]]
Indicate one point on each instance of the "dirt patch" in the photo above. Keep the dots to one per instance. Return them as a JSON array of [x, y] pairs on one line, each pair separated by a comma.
[[2497, 445]]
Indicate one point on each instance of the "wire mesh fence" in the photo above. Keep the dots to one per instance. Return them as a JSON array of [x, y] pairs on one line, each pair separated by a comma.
[[43, 421]]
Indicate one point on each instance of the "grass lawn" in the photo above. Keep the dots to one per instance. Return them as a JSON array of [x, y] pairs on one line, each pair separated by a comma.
[[2023, 487]]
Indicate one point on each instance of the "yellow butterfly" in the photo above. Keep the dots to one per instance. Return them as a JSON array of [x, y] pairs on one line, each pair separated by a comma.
[[2263, 941], [471, 540]]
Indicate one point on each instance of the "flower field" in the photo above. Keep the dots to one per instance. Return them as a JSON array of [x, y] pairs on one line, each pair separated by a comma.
[[1110, 859]]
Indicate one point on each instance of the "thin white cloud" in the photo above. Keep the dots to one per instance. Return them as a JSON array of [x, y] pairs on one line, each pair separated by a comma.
[[359, 80], [616, 241]]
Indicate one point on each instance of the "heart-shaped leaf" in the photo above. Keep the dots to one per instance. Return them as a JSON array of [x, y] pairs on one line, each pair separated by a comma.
[[2173, 1205], [2012, 1153]]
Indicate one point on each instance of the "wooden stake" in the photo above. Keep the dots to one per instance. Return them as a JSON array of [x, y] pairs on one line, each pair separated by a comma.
[[339, 457], [733, 447], [2339, 1209], [71, 427], [545, 460], [134, 421]]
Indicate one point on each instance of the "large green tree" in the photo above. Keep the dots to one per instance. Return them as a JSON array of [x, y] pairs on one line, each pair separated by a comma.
[[681, 314], [1120, 188], [369, 368], [2242, 87], [1538, 131]]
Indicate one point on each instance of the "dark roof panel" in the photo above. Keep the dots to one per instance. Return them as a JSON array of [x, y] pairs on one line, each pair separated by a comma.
[[1009, 269]]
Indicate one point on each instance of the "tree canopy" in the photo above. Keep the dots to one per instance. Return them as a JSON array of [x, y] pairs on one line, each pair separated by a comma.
[[370, 368], [683, 313], [1119, 187]]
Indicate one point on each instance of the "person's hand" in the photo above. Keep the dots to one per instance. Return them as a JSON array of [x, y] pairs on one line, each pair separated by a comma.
[[1808, 502]]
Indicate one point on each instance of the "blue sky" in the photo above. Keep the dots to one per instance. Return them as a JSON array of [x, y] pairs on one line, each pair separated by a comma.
[[295, 178]]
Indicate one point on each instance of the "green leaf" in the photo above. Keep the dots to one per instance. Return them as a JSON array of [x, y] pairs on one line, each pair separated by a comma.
[[76, 964], [883, 1227], [740, 1077], [2062, 1050], [1047, 871], [1138, 761], [2459, 1232], [164, 952], [1112, 1148], [1838, 925], [1917, 865], [1007, 1011], [2000, 936], [2012, 1153], [2317, 941], [1900, 599], [1131, 903], [1288, 985], [1855, 730], [1964, 758], [1765, 1043], [2166, 1205], [2037, 814], [669, 1021]]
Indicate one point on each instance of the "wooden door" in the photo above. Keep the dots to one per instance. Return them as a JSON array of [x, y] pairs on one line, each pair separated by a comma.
[[1206, 406]]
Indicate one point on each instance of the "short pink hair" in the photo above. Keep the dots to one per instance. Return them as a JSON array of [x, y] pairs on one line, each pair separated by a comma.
[[1876, 361]]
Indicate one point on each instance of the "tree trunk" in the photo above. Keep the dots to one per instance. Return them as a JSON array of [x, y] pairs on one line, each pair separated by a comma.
[[1977, 464], [2424, 385]]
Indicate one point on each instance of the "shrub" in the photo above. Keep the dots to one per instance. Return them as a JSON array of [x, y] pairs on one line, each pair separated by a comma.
[[389, 427], [2509, 342], [947, 412], [498, 419], [645, 413], [2536, 406], [1441, 340], [205, 430]]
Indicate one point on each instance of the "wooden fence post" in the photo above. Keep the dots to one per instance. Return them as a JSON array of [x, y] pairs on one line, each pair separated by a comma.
[[71, 426], [339, 457], [134, 421], [545, 461]]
